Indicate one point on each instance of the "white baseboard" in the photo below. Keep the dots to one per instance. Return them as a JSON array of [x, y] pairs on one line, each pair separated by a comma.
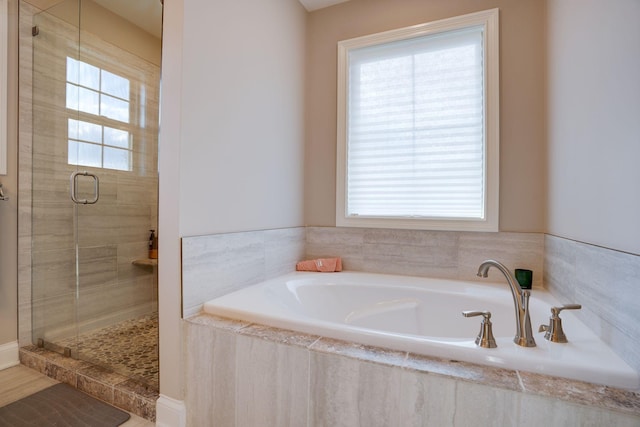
[[9, 355], [170, 412]]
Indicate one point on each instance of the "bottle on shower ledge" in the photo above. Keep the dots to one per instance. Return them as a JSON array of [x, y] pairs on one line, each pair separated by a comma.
[[153, 245]]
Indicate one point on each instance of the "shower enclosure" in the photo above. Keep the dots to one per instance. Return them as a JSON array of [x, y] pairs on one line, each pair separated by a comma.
[[94, 183]]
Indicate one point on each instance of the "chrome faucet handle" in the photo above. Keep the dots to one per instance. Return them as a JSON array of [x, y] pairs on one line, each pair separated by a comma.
[[485, 336], [556, 310], [553, 331]]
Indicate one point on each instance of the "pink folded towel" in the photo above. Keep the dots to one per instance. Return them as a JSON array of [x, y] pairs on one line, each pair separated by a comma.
[[320, 264]]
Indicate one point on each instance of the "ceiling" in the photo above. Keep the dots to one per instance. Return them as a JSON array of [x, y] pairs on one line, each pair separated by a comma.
[[312, 5]]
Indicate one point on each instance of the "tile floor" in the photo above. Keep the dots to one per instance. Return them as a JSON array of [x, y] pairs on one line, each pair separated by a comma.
[[19, 381]]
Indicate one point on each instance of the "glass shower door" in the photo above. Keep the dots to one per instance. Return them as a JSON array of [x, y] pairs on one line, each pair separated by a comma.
[[116, 140], [94, 197], [55, 35]]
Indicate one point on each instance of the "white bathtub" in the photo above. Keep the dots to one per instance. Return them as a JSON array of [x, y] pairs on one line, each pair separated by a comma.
[[423, 316]]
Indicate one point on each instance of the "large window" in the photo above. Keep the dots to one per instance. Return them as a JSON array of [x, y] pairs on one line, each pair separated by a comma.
[[99, 134], [418, 127]]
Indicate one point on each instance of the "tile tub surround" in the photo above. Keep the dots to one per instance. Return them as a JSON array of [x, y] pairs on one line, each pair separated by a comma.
[[214, 265], [606, 283], [439, 254], [217, 264], [289, 378], [98, 382]]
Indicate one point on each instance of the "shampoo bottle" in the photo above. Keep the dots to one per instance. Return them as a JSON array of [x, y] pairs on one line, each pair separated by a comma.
[[153, 245]]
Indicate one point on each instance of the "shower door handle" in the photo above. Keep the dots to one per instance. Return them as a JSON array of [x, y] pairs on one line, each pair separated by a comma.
[[73, 190]]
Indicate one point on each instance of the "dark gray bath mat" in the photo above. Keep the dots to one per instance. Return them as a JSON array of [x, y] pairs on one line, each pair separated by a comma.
[[61, 406]]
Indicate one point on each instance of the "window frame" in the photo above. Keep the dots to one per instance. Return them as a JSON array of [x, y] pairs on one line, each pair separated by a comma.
[[489, 21]]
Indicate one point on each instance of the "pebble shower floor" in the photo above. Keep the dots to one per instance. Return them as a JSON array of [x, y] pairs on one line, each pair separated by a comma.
[[129, 348]]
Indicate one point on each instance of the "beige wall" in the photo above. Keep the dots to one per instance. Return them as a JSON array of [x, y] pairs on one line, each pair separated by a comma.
[[243, 118], [9, 209], [594, 122], [522, 147]]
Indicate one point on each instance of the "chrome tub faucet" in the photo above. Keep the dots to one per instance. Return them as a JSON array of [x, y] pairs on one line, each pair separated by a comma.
[[524, 334]]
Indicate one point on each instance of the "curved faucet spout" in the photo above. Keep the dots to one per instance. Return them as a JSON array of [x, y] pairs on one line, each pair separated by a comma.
[[524, 334]]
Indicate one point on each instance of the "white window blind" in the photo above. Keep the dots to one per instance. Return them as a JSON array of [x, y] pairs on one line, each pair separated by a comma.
[[415, 126]]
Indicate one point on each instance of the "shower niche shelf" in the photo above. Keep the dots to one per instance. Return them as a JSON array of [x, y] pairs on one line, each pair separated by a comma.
[[145, 262]]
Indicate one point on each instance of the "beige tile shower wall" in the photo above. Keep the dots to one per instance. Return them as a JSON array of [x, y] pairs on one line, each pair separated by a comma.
[[605, 282], [214, 265], [111, 233], [443, 254]]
